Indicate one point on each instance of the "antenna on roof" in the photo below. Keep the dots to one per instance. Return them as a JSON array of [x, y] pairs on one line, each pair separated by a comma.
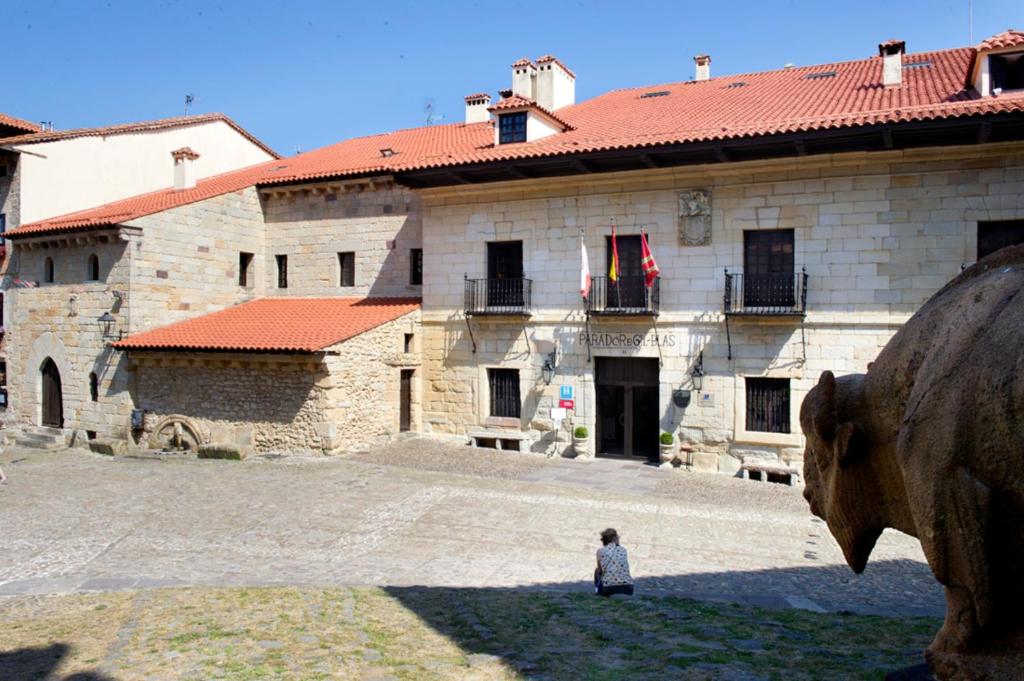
[[188, 102], [970, 22], [428, 111]]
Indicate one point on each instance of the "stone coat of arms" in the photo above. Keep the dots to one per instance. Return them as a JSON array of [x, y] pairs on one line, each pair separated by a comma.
[[695, 217]]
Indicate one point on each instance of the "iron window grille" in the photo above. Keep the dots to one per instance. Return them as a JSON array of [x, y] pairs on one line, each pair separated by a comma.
[[347, 269], [768, 405], [504, 385], [512, 128]]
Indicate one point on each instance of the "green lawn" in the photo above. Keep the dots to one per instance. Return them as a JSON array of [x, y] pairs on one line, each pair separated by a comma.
[[437, 633]]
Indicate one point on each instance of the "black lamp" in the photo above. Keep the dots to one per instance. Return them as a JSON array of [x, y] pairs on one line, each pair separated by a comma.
[[697, 375], [107, 320], [548, 370]]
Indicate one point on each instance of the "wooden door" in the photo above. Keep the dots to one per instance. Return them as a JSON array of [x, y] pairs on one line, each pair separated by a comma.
[[405, 401], [505, 274], [53, 398], [768, 268]]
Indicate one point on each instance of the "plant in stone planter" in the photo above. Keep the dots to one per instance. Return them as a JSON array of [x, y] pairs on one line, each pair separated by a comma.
[[580, 442], [668, 449]]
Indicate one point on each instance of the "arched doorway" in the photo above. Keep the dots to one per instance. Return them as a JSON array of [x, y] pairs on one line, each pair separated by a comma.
[[53, 396]]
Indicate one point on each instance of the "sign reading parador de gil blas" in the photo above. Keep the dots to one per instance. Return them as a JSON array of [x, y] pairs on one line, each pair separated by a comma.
[[629, 340]]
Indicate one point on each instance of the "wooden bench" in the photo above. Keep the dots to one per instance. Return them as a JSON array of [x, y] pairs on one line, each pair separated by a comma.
[[764, 469], [496, 439]]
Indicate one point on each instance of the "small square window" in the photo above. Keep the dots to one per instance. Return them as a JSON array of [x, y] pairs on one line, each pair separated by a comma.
[[416, 266], [244, 269], [512, 128], [282, 271], [347, 269], [504, 384], [768, 405]]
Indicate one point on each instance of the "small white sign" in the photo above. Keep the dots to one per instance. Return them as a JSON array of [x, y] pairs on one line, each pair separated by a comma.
[[707, 398], [557, 414]]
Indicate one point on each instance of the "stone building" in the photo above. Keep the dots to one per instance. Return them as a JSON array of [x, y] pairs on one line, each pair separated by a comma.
[[798, 217]]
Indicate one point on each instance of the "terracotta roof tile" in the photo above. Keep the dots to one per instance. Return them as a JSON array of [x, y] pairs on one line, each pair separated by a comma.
[[525, 61], [1008, 38], [479, 95], [515, 102], [17, 123], [143, 126], [550, 57], [299, 325]]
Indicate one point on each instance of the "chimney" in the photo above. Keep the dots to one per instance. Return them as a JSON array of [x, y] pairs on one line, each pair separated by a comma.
[[524, 79], [476, 108], [891, 52], [556, 84], [184, 170], [703, 62]]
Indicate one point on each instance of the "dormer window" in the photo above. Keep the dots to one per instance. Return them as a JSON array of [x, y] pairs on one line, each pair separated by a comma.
[[512, 127], [1007, 71]]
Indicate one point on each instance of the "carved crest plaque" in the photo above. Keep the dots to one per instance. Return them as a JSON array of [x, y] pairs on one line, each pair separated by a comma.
[[695, 217]]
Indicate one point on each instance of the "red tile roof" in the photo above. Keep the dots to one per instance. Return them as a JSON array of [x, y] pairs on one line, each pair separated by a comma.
[[299, 325], [1008, 38], [515, 102], [125, 210], [823, 97], [19, 124], [143, 126]]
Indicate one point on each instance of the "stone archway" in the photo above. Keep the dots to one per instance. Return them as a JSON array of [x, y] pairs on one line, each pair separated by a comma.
[[30, 380], [52, 394]]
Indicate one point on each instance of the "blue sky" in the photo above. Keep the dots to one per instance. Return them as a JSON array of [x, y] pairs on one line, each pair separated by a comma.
[[300, 75]]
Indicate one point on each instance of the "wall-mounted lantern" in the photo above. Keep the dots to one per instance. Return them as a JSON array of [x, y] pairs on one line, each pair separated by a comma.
[[697, 374], [548, 370], [106, 322]]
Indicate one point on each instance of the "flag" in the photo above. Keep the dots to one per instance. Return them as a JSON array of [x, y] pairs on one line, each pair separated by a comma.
[[647, 264], [584, 269], [613, 271]]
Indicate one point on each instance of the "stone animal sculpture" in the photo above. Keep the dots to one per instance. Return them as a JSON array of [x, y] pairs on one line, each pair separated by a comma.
[[930, 441]]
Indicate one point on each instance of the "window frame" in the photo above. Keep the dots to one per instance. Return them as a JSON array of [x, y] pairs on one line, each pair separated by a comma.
[[416, 267], [775, 418], [512, 127], [49, 271], [346, 265], [1001, 70], [505, 393], [92, 267], [282, 270]]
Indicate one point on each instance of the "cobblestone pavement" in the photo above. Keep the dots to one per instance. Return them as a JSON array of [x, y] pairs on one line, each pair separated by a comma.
[[77, 522]]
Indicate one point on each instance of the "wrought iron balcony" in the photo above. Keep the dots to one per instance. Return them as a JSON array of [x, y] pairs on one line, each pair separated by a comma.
[[498, 296], [768, 295], [630, 296]]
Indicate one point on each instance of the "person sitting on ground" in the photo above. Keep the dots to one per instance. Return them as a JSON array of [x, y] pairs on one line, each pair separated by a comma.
[[612, 574]]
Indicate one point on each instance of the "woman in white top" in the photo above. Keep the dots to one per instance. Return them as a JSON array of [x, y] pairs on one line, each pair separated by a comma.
[[612, 574]]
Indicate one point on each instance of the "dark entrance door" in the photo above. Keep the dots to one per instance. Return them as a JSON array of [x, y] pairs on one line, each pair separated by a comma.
[[627, 407], [405, 401], [505, 274], [630, 292], [53, 398], [768, 268]]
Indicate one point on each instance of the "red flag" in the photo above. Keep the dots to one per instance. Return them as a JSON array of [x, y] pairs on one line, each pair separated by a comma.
[[613, 271], [647, 264]]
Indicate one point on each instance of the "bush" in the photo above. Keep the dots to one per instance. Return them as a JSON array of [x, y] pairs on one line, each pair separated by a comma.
[[666, 438], [580, 432]]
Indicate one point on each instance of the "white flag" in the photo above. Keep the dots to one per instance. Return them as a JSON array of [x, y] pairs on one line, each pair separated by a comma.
[[584, 270]]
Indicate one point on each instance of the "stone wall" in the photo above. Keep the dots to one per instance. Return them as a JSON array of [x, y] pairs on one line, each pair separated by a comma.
[[10, 189], [311, 228], [878, 234]]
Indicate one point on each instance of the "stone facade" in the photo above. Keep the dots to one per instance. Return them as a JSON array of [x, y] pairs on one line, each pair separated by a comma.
[[877, 233]]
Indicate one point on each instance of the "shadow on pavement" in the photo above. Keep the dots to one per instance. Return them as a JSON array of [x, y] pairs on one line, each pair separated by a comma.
[[559, 631], [41, 663]]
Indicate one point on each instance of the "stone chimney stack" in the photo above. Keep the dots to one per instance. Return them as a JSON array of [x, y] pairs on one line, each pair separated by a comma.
[[703, 62], [476, 108], [556, 84], [891, 52], [524, 79], [184, 168]]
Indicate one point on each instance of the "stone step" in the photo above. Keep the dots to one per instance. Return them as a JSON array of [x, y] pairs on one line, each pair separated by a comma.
[[36, 444], [41, 438]]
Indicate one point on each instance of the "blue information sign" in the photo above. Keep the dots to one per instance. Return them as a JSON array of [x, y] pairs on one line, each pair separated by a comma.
[[565, 392]]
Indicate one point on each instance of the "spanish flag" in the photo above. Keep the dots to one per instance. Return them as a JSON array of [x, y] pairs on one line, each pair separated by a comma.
[[647, 264], [613, 271]]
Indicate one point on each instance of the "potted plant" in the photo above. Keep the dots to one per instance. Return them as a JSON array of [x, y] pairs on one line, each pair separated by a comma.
[[581, 442], [668, 449]]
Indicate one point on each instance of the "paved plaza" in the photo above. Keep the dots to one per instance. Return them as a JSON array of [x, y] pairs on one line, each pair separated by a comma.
[[429, 514]]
